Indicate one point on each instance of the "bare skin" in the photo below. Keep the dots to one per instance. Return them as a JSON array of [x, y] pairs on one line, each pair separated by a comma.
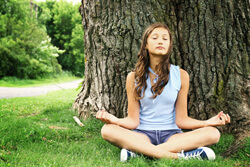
[[117, 131]]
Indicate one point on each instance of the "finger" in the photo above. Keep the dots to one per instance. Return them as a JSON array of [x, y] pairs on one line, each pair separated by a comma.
[[220, 113], [224, 116], [103, 110], [100, 112], [100, 115], [222, 120], [228, 118], [105, 117], [97, 114]]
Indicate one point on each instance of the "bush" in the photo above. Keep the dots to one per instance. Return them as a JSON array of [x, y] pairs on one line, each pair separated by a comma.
[[26, 52], [25, 48]]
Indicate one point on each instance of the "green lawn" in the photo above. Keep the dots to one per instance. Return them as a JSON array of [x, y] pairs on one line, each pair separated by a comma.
[[49, 80], [41, 131]]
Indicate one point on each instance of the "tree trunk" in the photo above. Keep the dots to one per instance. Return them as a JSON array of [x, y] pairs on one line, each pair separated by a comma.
[[211, 42], [112, 37]]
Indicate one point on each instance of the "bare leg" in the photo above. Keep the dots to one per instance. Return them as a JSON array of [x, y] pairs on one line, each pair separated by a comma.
[[140, 143], [134, 141], [192, 139]]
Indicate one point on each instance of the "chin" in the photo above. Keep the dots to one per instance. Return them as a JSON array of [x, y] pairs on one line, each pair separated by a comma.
[[160, 54]]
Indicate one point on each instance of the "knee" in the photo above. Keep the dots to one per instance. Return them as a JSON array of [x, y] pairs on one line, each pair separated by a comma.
[[106, 131], [214, 135]]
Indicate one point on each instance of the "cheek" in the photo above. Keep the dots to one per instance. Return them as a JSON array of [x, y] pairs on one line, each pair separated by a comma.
[[168, 44], [149, 46]]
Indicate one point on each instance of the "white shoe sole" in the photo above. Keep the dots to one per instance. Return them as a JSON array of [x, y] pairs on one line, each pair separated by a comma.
[[124, 155], [210, 153]]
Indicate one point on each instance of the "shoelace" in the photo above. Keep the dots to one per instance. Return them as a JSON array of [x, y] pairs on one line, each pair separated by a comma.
[[190, 155]]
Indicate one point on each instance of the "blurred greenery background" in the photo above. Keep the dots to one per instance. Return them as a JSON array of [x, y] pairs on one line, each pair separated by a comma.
[[40, 39]]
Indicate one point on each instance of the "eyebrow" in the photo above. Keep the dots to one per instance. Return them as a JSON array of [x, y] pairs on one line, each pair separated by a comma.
[[158, 34]]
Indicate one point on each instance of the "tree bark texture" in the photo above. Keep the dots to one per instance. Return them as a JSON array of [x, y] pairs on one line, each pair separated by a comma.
[[211, 42]]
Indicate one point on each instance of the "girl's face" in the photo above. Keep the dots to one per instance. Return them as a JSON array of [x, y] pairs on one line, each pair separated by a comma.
[[158, 42]]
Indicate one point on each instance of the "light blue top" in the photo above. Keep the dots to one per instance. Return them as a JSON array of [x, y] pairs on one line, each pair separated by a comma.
[[159, 113]]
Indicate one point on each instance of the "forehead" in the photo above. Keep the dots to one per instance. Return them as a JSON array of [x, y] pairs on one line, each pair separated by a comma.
[[159, 31]]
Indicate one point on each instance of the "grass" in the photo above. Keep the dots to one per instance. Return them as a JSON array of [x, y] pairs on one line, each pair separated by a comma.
[[40, 131], [48, 80]]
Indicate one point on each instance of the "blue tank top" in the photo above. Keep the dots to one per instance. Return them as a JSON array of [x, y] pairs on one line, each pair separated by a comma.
[[159, 113]]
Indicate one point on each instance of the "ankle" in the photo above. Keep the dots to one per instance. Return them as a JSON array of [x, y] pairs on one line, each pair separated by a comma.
[[166, 154]]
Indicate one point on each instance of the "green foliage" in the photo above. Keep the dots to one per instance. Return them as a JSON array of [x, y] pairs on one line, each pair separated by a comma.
[[31, 136], [30, 46], [25, 48], [45, 14], [77, 51], [66, 32]]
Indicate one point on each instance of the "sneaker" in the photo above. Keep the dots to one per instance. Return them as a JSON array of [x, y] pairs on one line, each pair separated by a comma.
[[126, 155], [201, 153]]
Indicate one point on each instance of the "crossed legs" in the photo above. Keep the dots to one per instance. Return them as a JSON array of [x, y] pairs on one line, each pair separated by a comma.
[[140, 143]]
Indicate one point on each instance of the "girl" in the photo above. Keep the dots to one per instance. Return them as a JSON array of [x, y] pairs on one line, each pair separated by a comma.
[[157, 108]]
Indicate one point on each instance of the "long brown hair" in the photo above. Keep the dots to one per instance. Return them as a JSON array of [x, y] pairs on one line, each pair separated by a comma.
[[142, 65]]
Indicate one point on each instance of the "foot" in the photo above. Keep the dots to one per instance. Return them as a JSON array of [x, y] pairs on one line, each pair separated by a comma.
[[199, 153], [126, 155]]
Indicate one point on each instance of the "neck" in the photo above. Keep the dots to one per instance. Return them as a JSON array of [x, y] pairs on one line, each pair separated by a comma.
[[154, 61]]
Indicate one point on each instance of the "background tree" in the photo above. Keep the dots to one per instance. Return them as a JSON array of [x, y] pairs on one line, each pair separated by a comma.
[[66, 32], [30, 35], [210, 42], [25, 48]]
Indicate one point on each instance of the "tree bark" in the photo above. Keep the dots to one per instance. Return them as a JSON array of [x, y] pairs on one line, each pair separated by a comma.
[[213, 49], [112, 38], [211, 42]]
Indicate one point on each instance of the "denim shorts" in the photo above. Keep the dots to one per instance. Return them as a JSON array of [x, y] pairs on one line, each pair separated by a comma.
[[159, 136]]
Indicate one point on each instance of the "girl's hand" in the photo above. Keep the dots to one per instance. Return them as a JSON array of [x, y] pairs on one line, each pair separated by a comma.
[[106, 117], [218, 120]]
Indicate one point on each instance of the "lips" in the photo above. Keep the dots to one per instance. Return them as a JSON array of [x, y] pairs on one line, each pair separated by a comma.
[[160, 47]]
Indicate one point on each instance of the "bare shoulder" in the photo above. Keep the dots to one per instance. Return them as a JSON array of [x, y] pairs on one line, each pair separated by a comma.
[[184, 77], [184, 74], [131, 77], [130, 83]]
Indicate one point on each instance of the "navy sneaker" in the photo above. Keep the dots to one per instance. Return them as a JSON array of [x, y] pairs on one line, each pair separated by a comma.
[[126, 155], [201, 153]]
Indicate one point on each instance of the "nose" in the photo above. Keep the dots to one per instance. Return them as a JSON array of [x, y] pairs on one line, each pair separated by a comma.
[[160, 42]]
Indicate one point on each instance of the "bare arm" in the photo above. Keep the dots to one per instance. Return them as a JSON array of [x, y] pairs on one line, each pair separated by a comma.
[[132, 120], [182, 119]]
